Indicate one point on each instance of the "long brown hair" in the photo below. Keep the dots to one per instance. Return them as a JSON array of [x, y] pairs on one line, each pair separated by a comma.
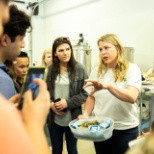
[[55, 67]]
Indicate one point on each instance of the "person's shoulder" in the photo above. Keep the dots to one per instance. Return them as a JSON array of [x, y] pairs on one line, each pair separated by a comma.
[[95, 69], [3, 74], [79, 66], [133, 66], [93, 73]]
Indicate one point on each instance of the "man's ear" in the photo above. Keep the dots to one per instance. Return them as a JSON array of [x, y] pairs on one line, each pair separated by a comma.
[[5, 40]]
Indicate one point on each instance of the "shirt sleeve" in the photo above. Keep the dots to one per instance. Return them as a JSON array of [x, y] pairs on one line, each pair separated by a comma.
[[133, 76], [7, 88]]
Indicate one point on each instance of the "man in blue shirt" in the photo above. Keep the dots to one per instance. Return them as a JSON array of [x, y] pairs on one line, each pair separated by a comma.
[[11, 42]]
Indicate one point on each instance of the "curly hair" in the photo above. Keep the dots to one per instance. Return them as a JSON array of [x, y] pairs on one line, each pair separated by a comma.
[[121, 65], [18, 24]]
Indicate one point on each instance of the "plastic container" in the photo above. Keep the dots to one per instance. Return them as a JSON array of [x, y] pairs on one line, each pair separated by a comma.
[[99, 134]]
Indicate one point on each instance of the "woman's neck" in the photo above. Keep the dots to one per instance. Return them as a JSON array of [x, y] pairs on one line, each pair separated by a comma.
[[20, 80], [63, 68]]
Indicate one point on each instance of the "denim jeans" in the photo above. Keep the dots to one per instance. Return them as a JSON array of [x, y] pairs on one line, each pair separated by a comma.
[[118, 143], [56, 134]]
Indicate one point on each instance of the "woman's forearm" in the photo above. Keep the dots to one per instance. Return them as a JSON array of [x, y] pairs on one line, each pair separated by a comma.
[[128, 94], [89, 105]]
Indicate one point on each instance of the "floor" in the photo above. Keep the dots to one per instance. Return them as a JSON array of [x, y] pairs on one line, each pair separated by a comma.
[[84, 147]]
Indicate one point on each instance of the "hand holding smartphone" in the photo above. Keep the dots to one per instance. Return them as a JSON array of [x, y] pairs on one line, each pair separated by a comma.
[[33, 73], [57, 100]]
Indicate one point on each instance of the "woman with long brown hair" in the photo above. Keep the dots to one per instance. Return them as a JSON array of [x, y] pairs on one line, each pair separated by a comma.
[[65, 81]]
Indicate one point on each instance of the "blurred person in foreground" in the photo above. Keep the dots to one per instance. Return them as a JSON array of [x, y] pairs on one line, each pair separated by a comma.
[[113, 88], [22, 132], [4, 13], [11, 42], [146, 145], [19, 131]]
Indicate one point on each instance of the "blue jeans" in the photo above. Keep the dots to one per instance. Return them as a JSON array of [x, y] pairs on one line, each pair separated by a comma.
[[56, 134], [118, 143]]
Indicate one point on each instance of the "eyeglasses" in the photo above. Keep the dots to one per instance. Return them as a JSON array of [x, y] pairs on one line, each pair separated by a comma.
[[61, 39]]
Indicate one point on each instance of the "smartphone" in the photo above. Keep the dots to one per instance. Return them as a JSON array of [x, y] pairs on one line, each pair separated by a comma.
[[33, 73], [57, 100]]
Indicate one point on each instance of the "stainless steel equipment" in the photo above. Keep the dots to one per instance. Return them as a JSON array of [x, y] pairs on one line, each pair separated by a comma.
[[82, 54], [129, 53]]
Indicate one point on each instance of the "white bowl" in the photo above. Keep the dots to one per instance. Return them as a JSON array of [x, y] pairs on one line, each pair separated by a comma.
[[84, 132]]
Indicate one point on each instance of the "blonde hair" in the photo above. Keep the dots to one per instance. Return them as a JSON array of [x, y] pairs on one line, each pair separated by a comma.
[[46, 51], [121, 65]]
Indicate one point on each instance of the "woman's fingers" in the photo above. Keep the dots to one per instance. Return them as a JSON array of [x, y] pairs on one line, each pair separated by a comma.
[[42, 85], [14, 99], [28, 97], [87, 85], [90, 80]]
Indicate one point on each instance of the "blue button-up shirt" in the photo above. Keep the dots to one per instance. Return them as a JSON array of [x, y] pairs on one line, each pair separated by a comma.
[[7, 87]]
